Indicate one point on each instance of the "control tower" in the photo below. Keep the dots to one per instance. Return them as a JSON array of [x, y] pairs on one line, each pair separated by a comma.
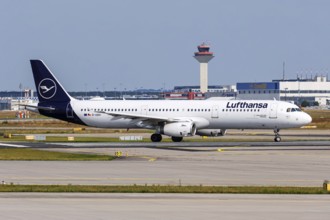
[[203, 56]]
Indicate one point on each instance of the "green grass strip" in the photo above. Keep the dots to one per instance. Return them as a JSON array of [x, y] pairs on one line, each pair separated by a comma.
[[33, 154], [162, 189]]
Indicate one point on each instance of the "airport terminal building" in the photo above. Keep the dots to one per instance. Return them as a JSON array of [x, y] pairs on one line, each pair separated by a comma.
[[295, 90]]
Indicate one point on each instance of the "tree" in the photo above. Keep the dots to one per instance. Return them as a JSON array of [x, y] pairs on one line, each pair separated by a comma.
[[304, 104], [316, 103]]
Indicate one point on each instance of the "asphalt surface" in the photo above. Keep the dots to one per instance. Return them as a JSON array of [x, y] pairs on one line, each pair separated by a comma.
[[208, 163], [294, 163], [162, 206]]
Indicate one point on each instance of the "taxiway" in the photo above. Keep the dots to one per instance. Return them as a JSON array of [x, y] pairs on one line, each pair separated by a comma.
[[162, 206], [207, 163]]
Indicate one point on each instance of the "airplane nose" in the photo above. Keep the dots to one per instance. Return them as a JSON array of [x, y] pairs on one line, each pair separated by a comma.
[[307, 118]]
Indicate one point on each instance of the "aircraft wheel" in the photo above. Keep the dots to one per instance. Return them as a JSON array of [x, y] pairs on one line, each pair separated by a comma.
[[177, 139], [277, 139], [156, 137]]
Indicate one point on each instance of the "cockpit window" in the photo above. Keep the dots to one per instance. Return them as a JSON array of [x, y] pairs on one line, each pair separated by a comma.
[[293, 110]]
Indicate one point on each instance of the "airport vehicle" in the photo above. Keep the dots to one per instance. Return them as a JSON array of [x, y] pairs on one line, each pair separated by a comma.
[[176, 119]]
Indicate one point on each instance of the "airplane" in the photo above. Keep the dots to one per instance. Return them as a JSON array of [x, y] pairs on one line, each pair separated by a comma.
[[177, 119]]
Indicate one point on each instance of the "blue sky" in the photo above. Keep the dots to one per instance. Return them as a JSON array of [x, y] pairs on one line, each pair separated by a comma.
[[133, 44]]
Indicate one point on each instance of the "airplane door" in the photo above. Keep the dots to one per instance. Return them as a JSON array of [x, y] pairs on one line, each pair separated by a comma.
[[144, 110], [273, 111], [215, 112], [69, 111]]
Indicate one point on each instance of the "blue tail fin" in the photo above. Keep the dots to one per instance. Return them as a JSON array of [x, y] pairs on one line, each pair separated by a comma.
[[48, 87]]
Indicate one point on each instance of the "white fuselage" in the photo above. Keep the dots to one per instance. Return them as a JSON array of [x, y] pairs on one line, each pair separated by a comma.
[[206, 114]]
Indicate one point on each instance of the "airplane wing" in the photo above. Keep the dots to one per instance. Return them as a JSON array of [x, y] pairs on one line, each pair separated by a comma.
[[139, 116], [148, 121]]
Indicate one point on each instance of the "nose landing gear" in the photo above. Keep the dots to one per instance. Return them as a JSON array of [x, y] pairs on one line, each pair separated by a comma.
[[277, 135]]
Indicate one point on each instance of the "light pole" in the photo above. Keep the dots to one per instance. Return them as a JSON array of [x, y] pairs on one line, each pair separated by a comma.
[[103, 87], [85, 90]]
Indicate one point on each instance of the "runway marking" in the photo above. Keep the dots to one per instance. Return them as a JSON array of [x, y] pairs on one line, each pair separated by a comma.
[[13, 145], [150, 159]]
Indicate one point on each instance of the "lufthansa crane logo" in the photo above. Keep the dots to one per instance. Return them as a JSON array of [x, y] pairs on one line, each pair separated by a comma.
[[47, 88]]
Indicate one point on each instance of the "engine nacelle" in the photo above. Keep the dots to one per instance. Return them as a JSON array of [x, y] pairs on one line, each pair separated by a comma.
[[211, 132], [178, 129]]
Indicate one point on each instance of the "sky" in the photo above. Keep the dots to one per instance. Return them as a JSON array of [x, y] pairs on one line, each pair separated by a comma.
[[129, 44]]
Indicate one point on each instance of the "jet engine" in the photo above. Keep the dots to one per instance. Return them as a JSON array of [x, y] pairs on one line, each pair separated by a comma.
[[178, 129], [211, 132]]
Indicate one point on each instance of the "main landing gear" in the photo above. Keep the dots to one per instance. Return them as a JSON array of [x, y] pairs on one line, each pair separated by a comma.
[[277, 135], [177, 139], [158, 138]]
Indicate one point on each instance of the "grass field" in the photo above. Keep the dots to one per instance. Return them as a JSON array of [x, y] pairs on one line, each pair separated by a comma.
[[321, 118], [32, 154], [162, 189]]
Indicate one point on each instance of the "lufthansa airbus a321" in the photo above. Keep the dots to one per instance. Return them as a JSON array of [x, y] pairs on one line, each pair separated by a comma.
[[176, 119]]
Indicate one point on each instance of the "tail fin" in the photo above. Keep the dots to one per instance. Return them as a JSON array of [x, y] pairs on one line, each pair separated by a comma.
[[48, 87]]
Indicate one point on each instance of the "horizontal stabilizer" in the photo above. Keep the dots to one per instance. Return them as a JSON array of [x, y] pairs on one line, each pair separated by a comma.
[[38, 107]]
